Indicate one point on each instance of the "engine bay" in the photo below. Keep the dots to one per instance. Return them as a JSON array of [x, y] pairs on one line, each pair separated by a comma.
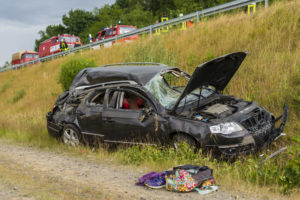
[[218, 109]]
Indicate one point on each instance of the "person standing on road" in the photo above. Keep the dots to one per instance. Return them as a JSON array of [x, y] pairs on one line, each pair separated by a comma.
[[63, 45]]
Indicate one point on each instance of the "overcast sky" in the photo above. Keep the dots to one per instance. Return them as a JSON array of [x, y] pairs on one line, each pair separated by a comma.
[[21, 20]]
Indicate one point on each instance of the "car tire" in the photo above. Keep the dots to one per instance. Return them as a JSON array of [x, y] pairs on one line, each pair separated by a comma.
[[71, 135], [182, 137]]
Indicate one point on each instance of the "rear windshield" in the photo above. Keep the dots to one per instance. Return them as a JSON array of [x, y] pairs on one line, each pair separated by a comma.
[[126, 29]]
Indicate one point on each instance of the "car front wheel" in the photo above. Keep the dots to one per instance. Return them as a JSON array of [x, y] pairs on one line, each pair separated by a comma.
[[181, 138], [71, 136]]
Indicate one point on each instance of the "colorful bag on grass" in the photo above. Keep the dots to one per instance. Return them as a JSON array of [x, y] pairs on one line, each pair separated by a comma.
[[187, 177]]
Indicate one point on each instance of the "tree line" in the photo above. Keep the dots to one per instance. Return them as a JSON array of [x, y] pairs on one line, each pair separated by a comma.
[[139, 13]]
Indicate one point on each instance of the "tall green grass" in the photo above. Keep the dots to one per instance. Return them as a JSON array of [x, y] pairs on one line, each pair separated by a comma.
[[5, 86], [19, 95], [278, 172]]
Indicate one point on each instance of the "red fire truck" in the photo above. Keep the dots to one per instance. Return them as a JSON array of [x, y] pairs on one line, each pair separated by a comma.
[[114, 31], [23, 57], [51, 46]]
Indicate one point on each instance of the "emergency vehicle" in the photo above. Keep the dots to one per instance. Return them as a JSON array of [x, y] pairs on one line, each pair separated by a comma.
[[114, 31], [51, 46], [23, 57]]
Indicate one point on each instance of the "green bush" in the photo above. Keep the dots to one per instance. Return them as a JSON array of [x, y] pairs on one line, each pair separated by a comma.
[[139, 154], [19, 95], [5, 86], [71, 68]]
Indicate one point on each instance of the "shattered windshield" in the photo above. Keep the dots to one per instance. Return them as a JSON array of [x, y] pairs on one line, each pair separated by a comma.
[[167, 88]]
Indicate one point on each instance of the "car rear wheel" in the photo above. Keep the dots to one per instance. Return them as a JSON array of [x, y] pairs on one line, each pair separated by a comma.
[[181, 138], [71, 136]]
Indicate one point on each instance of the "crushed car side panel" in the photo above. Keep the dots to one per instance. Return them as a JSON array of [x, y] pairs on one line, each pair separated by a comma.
[[197, 130], [63, 112]]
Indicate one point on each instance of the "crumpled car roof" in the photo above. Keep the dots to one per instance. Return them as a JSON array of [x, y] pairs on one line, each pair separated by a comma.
[[96, 75]]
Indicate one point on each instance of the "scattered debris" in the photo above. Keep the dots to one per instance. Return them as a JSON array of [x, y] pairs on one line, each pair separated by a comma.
[[273, 154]]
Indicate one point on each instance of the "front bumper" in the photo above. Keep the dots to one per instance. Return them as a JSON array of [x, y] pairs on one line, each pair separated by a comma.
[[258, 138]]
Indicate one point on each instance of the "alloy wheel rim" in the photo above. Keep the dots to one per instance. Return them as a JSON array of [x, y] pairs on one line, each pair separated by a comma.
[[70, 137]]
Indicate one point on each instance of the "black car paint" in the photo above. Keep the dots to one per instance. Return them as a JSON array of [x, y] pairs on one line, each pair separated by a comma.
[[159, 124]]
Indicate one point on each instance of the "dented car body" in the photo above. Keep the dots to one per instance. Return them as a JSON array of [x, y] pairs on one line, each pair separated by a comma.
[[148, 103]]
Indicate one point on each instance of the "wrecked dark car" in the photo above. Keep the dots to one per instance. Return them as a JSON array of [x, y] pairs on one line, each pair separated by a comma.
[[148, 103]]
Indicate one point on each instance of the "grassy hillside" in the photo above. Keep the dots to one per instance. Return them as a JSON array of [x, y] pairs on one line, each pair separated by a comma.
[[269, 75]]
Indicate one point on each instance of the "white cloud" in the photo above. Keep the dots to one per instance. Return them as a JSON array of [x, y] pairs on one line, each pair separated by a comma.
[[16, 37], [20, 21]]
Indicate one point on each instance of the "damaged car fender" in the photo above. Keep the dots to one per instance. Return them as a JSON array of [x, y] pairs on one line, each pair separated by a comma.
[[200, 132]]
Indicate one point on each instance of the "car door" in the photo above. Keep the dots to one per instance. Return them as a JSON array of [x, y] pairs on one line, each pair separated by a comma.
[[128, 125], [89, 114], [108, 34]]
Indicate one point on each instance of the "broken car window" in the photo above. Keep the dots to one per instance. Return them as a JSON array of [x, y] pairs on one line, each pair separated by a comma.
[[175, 80], [131, 101], [112, 100], [98, 99], [168, 91]]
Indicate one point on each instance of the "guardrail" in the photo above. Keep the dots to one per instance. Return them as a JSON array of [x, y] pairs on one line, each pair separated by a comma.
[[149, 29]]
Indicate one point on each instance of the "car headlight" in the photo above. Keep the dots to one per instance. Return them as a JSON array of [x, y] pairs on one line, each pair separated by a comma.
[[226, 128]]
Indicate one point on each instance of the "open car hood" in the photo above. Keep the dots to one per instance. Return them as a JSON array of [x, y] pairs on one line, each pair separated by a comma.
[[217, 72]]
